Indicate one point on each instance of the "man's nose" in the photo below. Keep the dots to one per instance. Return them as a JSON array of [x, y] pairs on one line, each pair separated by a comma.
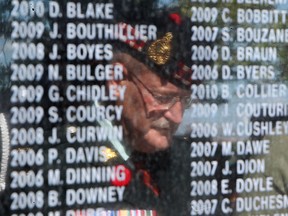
[[173, 114]]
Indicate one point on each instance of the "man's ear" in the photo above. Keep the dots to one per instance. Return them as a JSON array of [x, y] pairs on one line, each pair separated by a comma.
[[117, 82]]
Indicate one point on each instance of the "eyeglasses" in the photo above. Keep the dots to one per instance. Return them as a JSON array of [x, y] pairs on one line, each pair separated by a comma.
[[167, 101]]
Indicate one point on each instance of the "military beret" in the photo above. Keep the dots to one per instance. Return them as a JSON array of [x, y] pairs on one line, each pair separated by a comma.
[[158, 35]]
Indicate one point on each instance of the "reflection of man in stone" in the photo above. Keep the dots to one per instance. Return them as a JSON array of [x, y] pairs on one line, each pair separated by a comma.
[[152, 110], [157, 76]]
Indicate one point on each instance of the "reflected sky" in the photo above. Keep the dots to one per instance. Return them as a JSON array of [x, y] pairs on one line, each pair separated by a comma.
[[167, 3], [5, 51]]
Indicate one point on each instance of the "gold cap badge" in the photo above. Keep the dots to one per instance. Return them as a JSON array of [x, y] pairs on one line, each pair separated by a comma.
[[159, 51]]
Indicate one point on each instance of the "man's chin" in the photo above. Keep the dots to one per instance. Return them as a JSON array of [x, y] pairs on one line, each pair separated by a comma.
[[155, 141]]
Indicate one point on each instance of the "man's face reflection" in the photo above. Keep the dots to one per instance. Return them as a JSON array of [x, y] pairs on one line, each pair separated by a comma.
[[153, 107]]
